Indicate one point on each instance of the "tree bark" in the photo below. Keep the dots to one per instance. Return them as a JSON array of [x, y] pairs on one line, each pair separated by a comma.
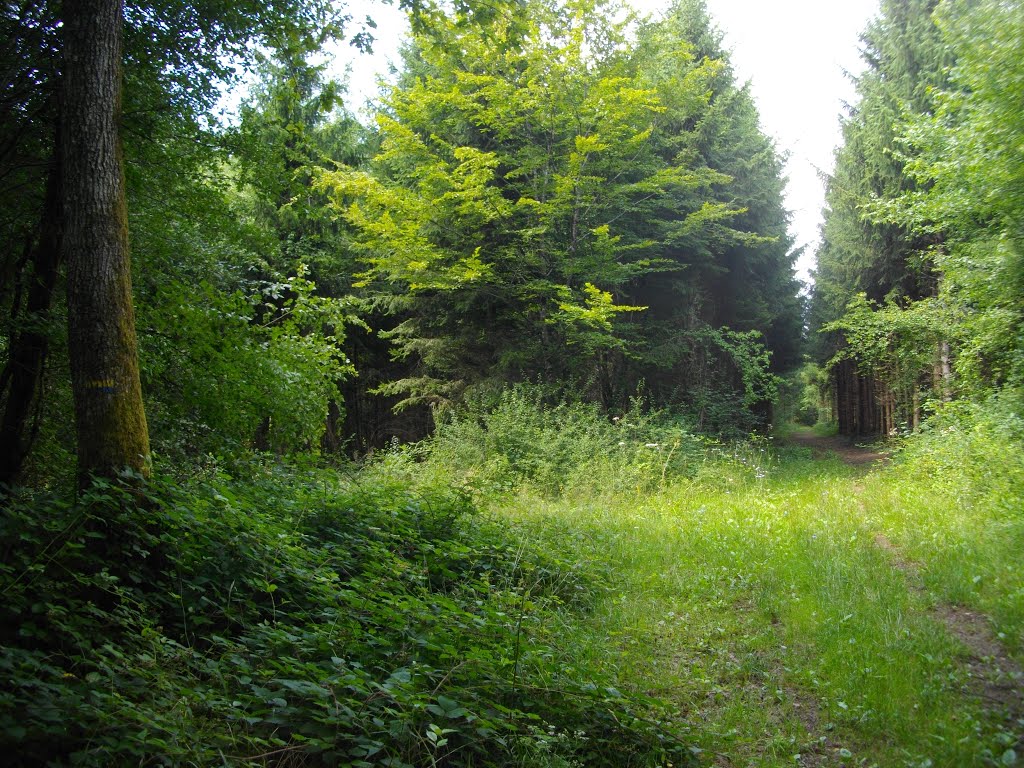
[[946, 371], [109, 414]]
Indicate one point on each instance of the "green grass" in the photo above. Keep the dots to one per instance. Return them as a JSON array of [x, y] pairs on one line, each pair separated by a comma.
[[537, 587], [766, 611]]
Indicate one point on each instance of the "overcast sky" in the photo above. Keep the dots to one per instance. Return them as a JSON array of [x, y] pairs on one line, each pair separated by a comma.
[[794, 52]]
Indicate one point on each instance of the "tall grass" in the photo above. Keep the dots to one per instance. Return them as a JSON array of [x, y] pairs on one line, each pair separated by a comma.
[[536, 585], [954, 504], [748, 584], [518, 442]]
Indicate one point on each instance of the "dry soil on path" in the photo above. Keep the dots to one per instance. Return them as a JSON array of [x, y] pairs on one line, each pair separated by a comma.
[[843, 447]]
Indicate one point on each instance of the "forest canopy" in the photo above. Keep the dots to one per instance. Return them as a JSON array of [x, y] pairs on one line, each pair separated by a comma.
[[557, 193], [922, 237]]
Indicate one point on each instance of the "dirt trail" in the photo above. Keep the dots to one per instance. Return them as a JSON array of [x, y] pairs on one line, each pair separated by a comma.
[[992, 675], [841, 446]]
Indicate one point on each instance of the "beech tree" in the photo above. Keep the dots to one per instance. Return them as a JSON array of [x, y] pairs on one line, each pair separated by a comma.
[[109, 413], [542, 184], [504, 211]]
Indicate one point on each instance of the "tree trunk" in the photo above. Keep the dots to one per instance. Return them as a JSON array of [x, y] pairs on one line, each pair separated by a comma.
[[946, 371], [916, 406], [31, 345], [332, 441], [109, 414]]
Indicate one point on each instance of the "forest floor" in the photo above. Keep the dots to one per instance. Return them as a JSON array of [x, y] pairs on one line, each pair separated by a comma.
[[848, 451], [815, 613]]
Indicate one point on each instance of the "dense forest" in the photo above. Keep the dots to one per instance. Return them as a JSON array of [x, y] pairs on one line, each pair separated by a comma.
[[920, 277], [491, 429]]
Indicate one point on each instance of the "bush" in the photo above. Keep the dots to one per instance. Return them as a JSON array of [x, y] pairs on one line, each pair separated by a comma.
[[519, 439], [293, 619], [974, 449]]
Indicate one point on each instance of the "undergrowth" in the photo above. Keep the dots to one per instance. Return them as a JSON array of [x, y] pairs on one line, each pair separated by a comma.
[[954, 502], [536, 585], [516, 442], [297, 618]]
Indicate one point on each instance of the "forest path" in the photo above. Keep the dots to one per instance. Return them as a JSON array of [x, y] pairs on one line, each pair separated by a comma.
[[788, 606], [991, 674], [847, 451]]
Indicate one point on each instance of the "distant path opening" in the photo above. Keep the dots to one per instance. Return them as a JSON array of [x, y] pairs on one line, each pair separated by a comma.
[[840, 446]]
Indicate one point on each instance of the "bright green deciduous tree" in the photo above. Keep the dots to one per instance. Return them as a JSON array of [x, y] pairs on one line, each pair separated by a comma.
[[538, 181], [506, 207], [967, 158]]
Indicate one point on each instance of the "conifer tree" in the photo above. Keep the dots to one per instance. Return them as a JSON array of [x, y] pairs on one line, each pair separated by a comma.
[[885, 260], [964, 159], [737, 270], [905, 59]]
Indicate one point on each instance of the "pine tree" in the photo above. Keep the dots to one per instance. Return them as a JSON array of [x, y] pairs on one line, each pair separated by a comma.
[[886, 261], [965, 160]]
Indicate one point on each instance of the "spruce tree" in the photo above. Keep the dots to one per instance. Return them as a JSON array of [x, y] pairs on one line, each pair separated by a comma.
[[886, 261]]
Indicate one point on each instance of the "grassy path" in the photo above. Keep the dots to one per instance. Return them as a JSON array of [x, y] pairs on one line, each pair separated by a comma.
[[801, 613]]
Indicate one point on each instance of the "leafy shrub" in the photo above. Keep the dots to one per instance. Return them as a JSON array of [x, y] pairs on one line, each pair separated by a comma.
[[229, 362], [519, 439], [294, 619]]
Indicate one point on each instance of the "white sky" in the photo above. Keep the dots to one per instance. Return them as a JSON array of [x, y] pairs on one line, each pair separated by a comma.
[[794, 52]]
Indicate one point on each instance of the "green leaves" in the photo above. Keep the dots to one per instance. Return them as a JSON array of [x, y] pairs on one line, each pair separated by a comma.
[[964, 153], [364, 623], [526, 191], [240, 359], [950, 203], [893, 342], [590, 324]]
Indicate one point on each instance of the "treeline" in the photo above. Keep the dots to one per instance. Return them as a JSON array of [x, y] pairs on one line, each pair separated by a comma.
[[556, 199], [551, 192], [920, 279]]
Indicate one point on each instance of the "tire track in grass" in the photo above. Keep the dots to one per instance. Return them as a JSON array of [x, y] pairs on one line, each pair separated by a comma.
[[709, 582], [718, 652], [992, 675]]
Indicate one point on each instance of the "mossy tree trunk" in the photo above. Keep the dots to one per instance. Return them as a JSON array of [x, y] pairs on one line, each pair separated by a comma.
[[109, 415]]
